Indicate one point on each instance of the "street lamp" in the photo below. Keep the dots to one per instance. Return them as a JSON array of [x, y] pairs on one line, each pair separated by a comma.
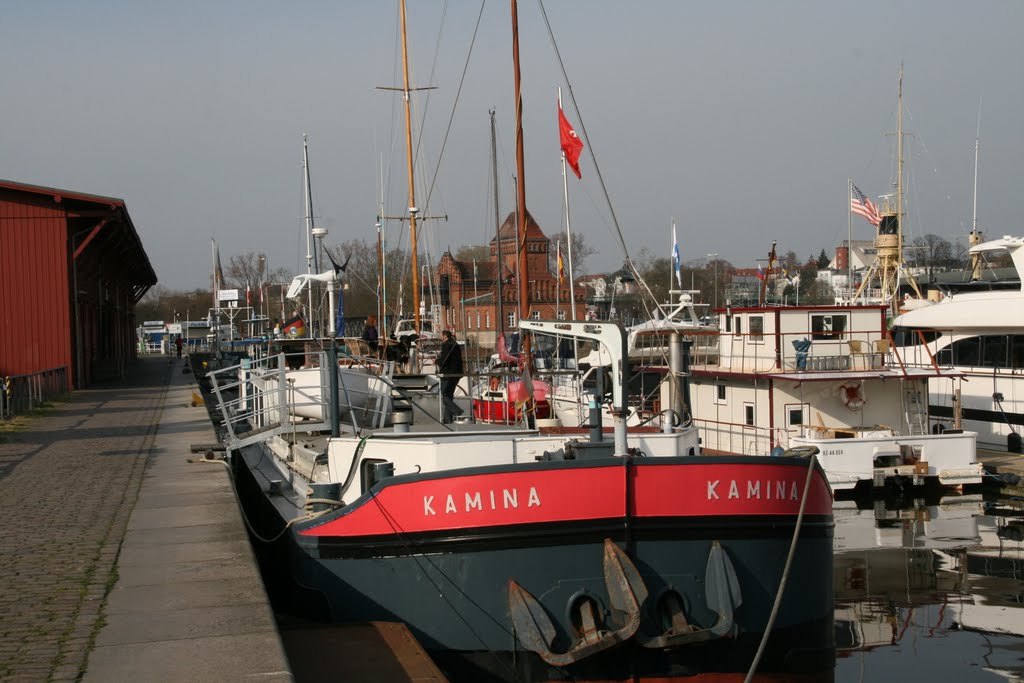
[[714, 300]]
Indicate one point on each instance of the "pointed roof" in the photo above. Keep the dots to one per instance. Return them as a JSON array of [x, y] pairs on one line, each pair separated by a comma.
[[509, 228]]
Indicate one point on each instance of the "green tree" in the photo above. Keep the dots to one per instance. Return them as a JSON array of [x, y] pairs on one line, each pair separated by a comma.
[[823, 260]]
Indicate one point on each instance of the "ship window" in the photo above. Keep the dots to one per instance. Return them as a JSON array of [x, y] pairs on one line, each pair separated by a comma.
[[719, 393], [906, 336], [828, 326], [796, 415], [994, 351], [748, 414], [728, 323], [757, 329], [1017, 351], [966, 352]]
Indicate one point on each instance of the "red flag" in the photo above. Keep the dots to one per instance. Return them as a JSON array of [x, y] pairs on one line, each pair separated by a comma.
[[571, 143]]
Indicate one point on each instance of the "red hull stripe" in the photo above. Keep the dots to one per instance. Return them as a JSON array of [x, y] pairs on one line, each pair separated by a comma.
[[726, 489], [578, 493]]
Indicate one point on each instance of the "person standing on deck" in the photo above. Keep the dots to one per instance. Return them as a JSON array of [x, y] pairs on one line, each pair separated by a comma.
[[177, 343], [370, 335], [449, 366]]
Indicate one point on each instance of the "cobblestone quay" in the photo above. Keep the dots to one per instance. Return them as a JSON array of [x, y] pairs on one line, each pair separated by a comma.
[[101, 479]]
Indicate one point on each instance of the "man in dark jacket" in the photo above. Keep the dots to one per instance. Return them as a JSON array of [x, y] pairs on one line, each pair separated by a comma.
[[449, 367]]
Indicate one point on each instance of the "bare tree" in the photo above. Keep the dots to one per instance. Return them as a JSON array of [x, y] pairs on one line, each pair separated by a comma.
[[932, 253], [478, 252], [581, 250], [361, 280]]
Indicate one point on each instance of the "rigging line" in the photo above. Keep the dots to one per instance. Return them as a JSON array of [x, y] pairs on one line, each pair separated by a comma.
[[458, 92], [593, 156], [430, 79]]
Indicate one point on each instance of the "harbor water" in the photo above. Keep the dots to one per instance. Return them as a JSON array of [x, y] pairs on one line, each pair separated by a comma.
[[929, 590]]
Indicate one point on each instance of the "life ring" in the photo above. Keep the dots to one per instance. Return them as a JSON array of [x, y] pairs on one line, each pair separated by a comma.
[[852, 395]]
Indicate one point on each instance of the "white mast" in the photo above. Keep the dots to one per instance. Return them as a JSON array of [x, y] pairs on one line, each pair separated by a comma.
[[568, 231], [309, 224], [975, 237], [849, 243]]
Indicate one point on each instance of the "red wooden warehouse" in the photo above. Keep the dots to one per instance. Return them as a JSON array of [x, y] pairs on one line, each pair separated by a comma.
[[72, 268]]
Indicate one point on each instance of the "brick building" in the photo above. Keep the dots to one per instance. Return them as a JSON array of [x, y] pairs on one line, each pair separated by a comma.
[[469, 306]]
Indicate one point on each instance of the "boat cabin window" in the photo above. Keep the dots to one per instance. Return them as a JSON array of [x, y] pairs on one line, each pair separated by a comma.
[[757, 329], [966, 352], [906, 336], [1017, 352], [994, 351], [728, 323], [719, 393], [828, 326], [748, 414], [991, 351], [795, 415]]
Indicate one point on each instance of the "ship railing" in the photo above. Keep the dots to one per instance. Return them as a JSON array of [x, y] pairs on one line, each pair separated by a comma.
[[824, 351], [22, 393], [257, 399], [745, 439]]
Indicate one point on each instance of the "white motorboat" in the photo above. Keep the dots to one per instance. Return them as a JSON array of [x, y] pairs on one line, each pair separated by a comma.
[[980, 334]]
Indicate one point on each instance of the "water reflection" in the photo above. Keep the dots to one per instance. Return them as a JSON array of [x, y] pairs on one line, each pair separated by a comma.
[[929, 590]]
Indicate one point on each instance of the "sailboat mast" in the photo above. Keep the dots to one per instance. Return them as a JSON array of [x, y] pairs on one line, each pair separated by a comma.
[[899, 176], [412, 182], [309, 224], [524, 272], [382, 294], [975, 238], [568, 229], [499, 270]]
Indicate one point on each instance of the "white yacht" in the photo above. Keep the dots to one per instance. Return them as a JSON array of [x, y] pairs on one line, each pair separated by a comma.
[[980, 334]]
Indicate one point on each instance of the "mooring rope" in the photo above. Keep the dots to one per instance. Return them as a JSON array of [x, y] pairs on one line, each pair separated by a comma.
[[785, 573]]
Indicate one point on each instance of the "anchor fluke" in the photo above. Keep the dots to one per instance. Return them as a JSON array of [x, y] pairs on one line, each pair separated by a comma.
[[626, 592]]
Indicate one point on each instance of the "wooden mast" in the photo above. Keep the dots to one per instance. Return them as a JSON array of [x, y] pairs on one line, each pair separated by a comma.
[[412, 181], [524, 273]]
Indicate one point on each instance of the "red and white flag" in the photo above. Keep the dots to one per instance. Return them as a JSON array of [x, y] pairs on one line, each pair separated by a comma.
[[862, 206], [572, 146]]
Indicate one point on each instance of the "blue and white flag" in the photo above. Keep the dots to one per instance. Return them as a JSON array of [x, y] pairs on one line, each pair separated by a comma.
[[677, 264], [339, 319]]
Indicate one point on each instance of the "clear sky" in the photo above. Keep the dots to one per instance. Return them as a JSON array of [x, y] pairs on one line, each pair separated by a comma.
[[743, 120]]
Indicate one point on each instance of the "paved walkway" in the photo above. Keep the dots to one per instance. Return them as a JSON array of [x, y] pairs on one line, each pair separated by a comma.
[[119, 560]]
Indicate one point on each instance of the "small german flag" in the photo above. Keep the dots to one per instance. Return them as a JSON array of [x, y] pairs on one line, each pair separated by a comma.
[[294, 327]]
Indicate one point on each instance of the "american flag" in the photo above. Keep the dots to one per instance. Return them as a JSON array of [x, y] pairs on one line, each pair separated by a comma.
[[862, 206]]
